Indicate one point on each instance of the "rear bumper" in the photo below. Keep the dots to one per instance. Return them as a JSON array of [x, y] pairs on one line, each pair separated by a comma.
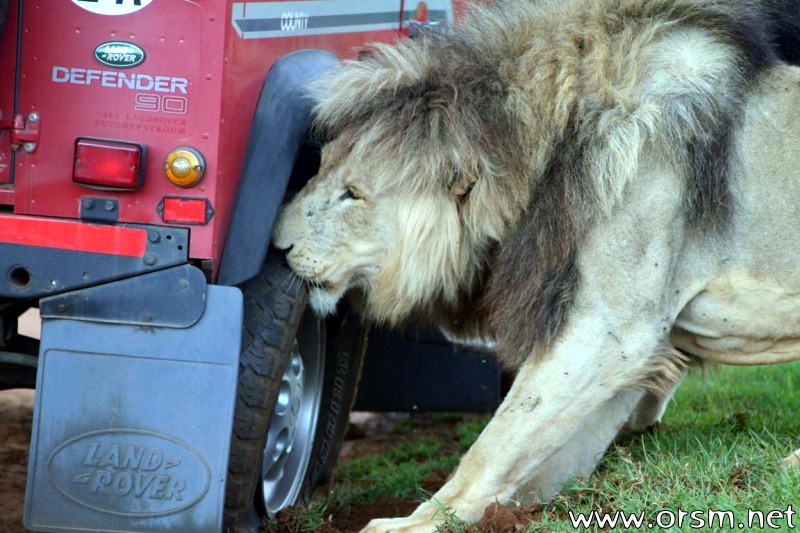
[[41, 256]]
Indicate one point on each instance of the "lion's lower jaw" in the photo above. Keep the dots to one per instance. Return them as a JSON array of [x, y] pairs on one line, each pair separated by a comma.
[[323, 302]]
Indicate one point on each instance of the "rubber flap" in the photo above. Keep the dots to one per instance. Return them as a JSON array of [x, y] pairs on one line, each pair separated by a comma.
[[132, 424]]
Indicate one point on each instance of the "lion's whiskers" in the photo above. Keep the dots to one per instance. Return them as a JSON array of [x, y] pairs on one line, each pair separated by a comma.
[[290, 282]]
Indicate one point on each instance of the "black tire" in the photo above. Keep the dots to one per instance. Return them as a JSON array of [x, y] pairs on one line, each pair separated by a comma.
[[275, 308]]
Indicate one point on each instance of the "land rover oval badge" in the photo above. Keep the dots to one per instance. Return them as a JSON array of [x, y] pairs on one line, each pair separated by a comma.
[[119, 54]]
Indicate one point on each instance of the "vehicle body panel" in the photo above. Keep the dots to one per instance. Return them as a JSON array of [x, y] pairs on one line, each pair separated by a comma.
[[197, 86], [8, 62]]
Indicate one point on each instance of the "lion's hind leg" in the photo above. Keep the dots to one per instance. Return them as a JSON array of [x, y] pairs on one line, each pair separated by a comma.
[[647, 414], [669, 368]]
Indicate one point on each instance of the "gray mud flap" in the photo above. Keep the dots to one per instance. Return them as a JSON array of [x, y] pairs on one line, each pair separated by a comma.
[[132, 424]]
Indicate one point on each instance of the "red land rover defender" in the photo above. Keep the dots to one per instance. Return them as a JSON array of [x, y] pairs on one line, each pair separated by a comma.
[[145, 147]]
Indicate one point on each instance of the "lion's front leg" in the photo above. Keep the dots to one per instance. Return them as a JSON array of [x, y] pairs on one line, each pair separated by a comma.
[[559, 417], [580, 455], [566, 405]]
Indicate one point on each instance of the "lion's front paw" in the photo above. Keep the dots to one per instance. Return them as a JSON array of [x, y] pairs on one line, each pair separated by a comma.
[[409, 524]]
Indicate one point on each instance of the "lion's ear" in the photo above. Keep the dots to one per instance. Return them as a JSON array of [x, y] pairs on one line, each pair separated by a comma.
[[461, 185]]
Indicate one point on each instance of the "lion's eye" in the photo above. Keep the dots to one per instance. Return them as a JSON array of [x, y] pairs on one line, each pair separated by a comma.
[[349, 194]]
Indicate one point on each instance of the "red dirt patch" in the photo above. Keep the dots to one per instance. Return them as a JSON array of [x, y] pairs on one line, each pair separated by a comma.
[[357, 444], [355, 518], [500, 519], [347, 519], [496, 518], [435, 480]]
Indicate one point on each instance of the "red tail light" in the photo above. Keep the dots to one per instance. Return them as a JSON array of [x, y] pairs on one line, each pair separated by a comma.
[[108, 164]]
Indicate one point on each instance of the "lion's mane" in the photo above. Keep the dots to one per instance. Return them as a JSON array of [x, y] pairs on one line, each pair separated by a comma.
[[534, 116]]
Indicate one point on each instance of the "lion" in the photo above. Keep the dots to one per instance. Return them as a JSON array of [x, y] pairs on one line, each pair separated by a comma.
[[605, 188]]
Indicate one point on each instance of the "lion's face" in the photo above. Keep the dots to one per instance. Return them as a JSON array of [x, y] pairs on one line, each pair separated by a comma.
[[337, 232], [360, 223]]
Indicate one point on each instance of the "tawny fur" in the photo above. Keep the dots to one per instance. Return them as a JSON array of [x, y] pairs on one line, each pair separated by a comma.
[[587, 182], [508, 139]]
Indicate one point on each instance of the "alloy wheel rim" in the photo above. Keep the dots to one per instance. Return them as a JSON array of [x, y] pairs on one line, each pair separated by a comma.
[[290, 437]]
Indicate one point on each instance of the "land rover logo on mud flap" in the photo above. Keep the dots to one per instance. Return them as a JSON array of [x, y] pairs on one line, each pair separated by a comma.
[[129, 472], [119, 54]]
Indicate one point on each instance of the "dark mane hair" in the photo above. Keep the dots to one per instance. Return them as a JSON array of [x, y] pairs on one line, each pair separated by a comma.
[[533, 116]]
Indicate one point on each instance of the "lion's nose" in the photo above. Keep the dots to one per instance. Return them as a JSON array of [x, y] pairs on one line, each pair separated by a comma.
[[280, 239]]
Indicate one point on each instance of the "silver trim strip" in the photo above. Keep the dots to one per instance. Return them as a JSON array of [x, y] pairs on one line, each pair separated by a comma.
[[262, 20]]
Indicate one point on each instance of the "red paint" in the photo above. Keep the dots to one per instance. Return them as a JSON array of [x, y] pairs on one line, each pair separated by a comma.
[[6, 194], [8, 38], [69, 235], [188, 45], [183, 210]]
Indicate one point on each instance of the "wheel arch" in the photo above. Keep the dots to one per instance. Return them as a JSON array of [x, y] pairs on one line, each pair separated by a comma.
[[280, 129]]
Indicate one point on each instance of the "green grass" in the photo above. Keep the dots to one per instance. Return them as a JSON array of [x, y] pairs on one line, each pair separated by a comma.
[[397, 473], [719, 446]]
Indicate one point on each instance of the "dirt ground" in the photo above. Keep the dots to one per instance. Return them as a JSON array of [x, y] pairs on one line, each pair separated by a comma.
[[372, 434], [16, 411], [376, 434], [368, 434]]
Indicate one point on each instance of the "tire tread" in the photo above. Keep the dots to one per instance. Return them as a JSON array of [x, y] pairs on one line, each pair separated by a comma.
[[273, 308]]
